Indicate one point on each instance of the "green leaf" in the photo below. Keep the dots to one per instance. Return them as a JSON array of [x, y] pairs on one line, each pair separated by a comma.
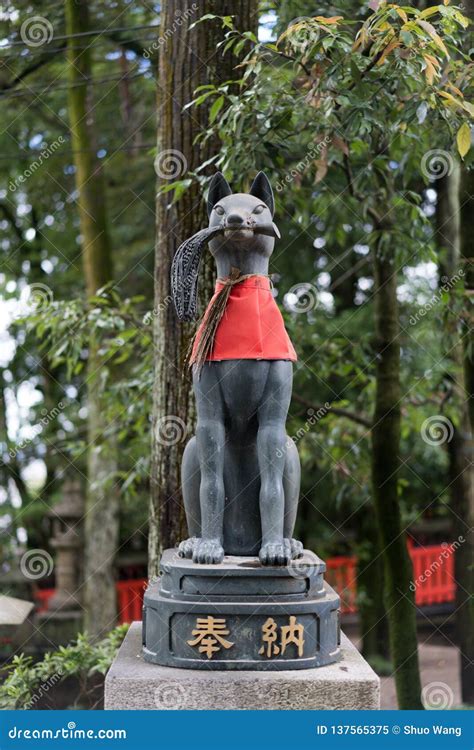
[[355, 72], [463, 139], [227, 22], [216, 108], [206, 17]]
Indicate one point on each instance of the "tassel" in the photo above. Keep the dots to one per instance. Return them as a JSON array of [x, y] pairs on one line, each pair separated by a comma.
[[185, 272]]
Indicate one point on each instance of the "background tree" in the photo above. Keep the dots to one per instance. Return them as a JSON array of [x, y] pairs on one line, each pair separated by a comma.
[[41, 259], [464, 506], [101, 512]]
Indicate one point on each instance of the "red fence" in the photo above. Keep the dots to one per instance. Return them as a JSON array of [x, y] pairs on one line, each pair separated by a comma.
[[433, 582], [130, 599], [433, 576], [341, 575], [433, 573]]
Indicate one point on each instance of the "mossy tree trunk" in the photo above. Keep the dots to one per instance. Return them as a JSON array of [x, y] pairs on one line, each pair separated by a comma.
[[465, 516], [101, 519], [459, 447], [399, 600], [373, 625], [188, 59]]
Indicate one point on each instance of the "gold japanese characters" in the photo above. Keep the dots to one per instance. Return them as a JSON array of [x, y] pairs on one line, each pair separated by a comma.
[[209, 636], [210, 632]]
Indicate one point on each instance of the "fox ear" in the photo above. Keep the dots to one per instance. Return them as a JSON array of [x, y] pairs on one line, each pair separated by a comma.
[[262, 189], [218, 189]]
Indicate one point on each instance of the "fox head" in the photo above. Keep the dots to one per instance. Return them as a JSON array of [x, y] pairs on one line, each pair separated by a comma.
[[241, 235], [247, 239]]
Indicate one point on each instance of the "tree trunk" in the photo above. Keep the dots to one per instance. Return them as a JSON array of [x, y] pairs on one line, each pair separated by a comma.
[[448, 223], [188, 59], [459, 447], [101, 516], [373, 625], [464, 561], [400, 605]]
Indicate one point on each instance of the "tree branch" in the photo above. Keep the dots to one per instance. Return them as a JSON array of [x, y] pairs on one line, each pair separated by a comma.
[[32, 68], [10, 216], [132, 46]]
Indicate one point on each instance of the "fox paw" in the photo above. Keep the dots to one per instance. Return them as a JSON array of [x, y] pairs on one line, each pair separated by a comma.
[[208, 552], [296, 549], [275, 553], [187, 547]]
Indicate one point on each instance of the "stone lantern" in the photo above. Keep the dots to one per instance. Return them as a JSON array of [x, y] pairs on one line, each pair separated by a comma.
[[67, 540]]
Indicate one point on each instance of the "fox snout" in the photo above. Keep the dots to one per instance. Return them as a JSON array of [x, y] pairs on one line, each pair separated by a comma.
[[238, 221]]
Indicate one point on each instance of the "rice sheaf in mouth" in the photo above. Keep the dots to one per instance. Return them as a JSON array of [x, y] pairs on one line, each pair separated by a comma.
[[239, 232]]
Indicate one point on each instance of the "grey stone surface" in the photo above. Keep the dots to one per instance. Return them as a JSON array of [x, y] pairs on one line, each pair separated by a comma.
[[133, 684]]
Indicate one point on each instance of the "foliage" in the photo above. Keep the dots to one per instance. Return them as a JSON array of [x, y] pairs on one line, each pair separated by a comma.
[[28, 681], [123, 328], [40, 240]]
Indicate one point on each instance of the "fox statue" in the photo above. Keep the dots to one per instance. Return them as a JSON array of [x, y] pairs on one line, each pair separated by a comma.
[[240, 472]]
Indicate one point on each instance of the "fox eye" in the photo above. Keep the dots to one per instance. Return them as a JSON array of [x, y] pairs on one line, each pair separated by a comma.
[[258, 210], [219, 210]]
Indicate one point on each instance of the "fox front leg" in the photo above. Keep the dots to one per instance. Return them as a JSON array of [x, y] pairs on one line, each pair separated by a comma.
[[271, 448], [210, 441]]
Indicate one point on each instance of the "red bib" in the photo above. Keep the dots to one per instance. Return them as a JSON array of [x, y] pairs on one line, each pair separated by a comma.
[[251, 327]]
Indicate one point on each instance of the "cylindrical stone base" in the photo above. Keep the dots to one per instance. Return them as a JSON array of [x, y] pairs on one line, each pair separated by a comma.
[[241, 615]]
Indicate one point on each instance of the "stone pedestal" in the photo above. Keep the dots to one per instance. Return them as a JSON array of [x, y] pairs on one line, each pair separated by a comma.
[[133, 684], [241, 615]]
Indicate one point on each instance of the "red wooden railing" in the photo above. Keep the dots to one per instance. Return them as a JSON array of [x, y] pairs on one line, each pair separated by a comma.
[[341, 575], [130, 599], [433, 582], [433, 573]]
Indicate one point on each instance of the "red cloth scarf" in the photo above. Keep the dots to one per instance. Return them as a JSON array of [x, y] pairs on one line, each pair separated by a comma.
[[251, 327]]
